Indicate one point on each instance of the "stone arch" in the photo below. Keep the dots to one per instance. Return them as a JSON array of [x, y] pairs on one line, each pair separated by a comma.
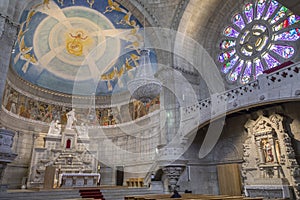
[[225, 151], [139, 10]]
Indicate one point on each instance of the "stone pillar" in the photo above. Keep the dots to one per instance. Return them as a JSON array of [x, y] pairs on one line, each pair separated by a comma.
[[271, 141], [8, 33], [260, 151], [173, 173], [6, 154], [2, 169]]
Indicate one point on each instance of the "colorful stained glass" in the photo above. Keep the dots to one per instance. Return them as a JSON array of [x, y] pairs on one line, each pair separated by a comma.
[[280, 14], [256, 40], [239, 21], [231, 32], [259, 27], [291, 35], [273, 6], [260, 7], [258, 67], [293, 19], [247, 73], [248, 11], [233, 76], [261, 43], [271, 62], [246, 52], [242, 40], [230, 64], [226, 55], [225, 44], [284, 51]]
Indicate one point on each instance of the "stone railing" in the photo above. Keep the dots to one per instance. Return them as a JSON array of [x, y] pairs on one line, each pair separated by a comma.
[[281, 85]]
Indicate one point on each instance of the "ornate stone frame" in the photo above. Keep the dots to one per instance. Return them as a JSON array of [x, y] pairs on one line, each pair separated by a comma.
[[261, 176]]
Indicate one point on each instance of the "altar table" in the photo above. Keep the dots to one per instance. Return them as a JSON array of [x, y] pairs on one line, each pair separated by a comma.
[[78, 180]]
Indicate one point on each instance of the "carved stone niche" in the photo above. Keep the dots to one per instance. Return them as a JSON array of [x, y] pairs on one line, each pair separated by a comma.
[[270, 168]]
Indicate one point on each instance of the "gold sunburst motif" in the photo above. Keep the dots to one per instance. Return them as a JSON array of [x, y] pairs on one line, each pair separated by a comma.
[[75, 42]]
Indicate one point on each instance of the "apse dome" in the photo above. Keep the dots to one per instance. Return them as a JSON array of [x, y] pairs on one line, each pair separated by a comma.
[[78, 47]]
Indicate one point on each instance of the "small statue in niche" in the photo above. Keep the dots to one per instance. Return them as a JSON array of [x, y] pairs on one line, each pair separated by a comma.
[[268, 151]]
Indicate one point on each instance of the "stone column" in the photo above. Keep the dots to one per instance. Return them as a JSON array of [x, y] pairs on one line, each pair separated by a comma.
[[8, 33], [2, 169], [173, 174], [260, 151], [271, 141]]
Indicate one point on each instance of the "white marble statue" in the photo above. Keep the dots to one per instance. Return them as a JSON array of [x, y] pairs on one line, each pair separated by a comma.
[[71, 118], [82, 130], [55, 128]]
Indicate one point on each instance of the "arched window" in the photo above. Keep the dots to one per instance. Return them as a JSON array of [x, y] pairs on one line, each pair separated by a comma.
[[259, 38], [68, 144]]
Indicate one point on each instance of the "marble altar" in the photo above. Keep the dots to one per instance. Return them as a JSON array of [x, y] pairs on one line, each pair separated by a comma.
[[67, 180]]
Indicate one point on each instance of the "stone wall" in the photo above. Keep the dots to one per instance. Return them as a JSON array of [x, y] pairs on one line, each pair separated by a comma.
[[17, 171], [202, 175]]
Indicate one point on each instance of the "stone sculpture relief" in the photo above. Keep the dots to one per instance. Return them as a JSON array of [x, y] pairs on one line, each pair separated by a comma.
[[269, 159]]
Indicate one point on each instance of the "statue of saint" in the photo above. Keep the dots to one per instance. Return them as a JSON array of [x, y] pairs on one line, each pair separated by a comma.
[[55, 128], [70, 119], [268, 152], [82, 130]]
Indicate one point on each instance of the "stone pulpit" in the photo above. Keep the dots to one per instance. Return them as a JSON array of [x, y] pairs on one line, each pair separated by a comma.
[[270, 168]]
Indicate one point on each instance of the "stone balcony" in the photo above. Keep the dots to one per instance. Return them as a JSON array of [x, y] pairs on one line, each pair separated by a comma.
[[279, 86]]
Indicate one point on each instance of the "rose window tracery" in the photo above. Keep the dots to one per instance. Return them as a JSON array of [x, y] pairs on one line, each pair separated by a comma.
[[260, 37]]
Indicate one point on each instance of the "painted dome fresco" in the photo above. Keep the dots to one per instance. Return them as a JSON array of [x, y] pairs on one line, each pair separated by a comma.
[[94, 45], [261, 36]]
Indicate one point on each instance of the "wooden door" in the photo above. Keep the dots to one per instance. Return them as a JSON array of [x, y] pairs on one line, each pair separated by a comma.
[[120, 176], [229, 177], [49, 177]]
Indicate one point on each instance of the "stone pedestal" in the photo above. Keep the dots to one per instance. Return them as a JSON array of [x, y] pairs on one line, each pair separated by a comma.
[[173, 173], [6, 155], [156, 186], [270, 191]]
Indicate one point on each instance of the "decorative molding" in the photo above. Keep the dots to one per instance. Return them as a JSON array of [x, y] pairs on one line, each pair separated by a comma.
[[178, 14]]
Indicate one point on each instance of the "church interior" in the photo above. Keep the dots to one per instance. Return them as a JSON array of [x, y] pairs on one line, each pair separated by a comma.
[[132, 98]]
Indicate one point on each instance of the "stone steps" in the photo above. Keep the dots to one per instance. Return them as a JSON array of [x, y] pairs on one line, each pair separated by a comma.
[[120, 193], [40, 195], [109, 193]]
